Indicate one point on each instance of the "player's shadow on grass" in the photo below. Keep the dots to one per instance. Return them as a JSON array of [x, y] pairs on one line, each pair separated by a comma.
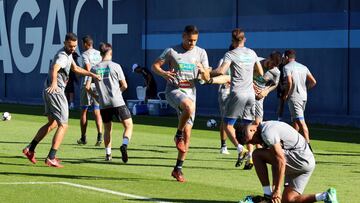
[[173, 147], [336, 163], [63, 176], [12, 164], [338, 154], [181, 200], [13, 142], [205, 167], [93, 160], [148, 150]]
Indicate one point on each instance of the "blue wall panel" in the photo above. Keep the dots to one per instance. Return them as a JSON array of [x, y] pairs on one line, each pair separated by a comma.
[[354, 53]]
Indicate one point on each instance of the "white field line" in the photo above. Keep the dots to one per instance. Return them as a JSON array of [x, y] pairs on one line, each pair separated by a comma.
[[85, 187]]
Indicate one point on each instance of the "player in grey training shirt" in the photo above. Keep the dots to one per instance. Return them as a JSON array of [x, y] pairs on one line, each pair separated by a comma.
[[266, 83], [299, 80], [185, 62], [91, 57], [110, 90], [223, 98], [241, 61], [291, 159], [56, 105]]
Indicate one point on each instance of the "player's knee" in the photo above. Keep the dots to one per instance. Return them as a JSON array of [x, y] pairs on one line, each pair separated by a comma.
[[63, 125], [52, 125], [286, 198], [290, 195], [188, 108], [256, 154], [128, 124], [260, 155]]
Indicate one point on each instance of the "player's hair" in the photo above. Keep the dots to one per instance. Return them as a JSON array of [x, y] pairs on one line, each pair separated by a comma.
[[276, 58], [237, 35], [104, 48], [88, 40], [191, 30], [231, 47], [71, 37], [291, 54]]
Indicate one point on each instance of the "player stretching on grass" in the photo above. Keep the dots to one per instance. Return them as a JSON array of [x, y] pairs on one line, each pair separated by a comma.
[[56, 104], [299, 80], [291, 160], [91, 57], [185, 62], [241, 61], [110, 90]]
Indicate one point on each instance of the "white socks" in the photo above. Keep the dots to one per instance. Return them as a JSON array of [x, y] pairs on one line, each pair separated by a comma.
[[239, 148], [267, 190], [124, 142], [108, 150], [320, 196]]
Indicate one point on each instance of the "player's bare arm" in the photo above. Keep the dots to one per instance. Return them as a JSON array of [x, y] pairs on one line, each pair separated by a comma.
[[53, 73], [258, 68], [267, 90], [278, 170], [88, 89], [221, 70], [167, 75], [81, 71], [87, 66], [221, 79], [311, 82], [289, 80], [204, 72], [123, 85]]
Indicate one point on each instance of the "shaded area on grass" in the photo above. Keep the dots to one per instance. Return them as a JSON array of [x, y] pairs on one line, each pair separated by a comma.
[[181, 200], [317, 132], [66, 176]]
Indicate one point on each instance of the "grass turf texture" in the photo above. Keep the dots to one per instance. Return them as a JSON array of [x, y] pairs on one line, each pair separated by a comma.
[[211, 177]]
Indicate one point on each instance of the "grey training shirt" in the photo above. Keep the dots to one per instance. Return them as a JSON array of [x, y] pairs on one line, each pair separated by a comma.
[[108, 88]]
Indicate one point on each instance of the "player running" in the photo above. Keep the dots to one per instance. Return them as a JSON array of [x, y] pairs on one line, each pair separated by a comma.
[[110, 90], [299, 80], [185, 62]]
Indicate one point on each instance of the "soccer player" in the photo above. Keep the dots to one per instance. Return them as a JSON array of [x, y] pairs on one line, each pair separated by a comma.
[[185, 61], [266, 83], [223, 97], [70, 89], [241, 61], [110, 90], [291, 159], [56, 104], [91, 57], [281, 88], [151, 87], [299, 80]]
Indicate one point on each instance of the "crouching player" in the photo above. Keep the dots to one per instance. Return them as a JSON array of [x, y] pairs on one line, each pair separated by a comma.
[[290, 157]]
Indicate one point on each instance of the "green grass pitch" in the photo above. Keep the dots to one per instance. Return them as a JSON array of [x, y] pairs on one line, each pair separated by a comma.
[[211, 177]]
